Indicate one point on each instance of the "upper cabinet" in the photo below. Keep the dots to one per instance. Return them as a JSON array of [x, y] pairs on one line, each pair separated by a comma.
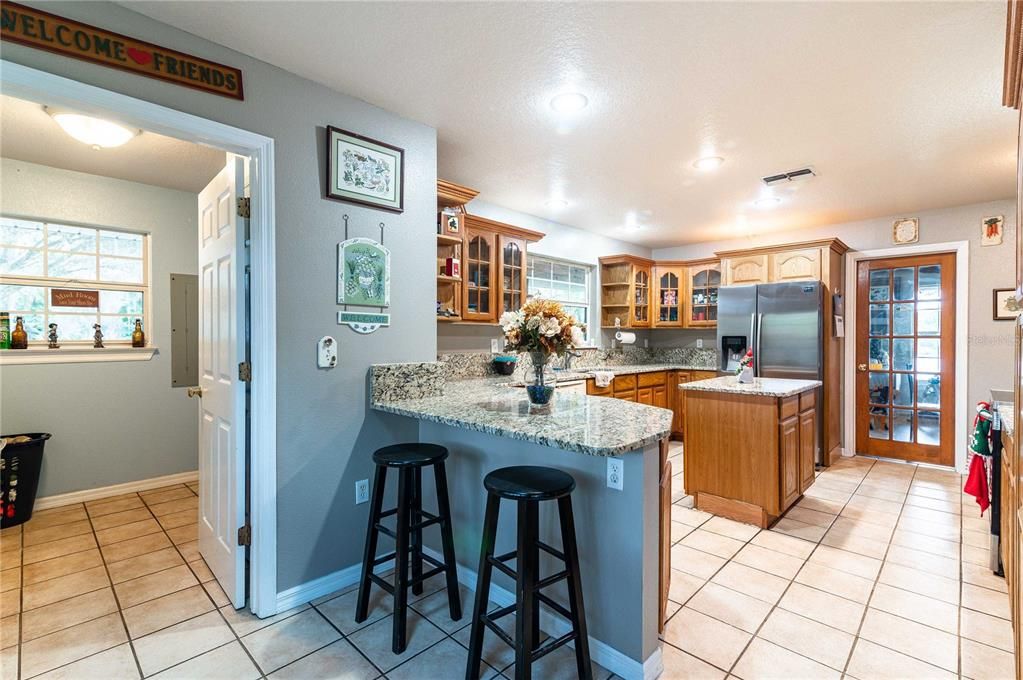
[[703, 281], [641, 287], [513, 272], [478, 290], [807, 261], [796, 265], [670, 280], [626, 288], [745, 269]]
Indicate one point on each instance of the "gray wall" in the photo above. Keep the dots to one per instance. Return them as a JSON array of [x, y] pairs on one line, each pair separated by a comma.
[[118, 421], [560, 241], [325, 434], [990, 342]]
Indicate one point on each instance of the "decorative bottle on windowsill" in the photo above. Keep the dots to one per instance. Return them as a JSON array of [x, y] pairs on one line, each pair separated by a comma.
[[138, 337], [19, 337]]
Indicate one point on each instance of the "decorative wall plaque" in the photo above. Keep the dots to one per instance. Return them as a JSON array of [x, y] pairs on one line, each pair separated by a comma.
[[363, 322], [73, 297], [363, 273]]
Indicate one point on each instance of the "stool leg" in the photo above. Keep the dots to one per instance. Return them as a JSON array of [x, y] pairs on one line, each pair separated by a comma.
[[525, 589], [415, 512], [447, 542], [472, 666], [401, 551], [370, 552], [575, 588]]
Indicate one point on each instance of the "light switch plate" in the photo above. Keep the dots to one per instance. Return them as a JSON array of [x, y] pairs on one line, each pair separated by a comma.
[[699, 343], [326, 352], [495, 346], [615, 473]]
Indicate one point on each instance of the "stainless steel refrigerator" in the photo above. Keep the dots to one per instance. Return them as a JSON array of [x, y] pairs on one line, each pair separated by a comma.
[[781, 322]]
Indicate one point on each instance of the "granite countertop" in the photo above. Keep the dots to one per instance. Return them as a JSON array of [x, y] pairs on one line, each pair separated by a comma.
[[1005, 410], [643, 368], [762, 387], [597, 426]]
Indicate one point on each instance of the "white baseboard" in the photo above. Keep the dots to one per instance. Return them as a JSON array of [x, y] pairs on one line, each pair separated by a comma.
[[86, 495], [325, 585]]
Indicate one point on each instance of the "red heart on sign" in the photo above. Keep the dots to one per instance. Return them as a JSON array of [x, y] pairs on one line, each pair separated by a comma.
[[140, 57]]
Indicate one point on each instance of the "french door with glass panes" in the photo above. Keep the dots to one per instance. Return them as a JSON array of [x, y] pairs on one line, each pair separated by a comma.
[[905, 358]]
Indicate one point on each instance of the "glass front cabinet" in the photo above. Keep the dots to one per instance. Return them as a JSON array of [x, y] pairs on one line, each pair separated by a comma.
[[513, 273], [478, 290], [669, 295], [640, 316], [703, 281]]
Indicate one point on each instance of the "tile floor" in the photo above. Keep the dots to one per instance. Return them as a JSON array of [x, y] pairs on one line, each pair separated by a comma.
[[879, 572]]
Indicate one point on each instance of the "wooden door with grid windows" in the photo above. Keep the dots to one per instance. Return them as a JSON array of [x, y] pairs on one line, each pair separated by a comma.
[[905, 358]]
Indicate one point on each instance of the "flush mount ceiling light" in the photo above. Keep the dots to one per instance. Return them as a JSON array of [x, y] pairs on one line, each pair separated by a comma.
[[767, 202], [569, 102], [96, 132], [708, 163]]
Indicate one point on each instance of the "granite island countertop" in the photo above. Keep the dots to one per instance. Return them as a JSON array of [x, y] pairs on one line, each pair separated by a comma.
[[598, 426], [1006, 411], [760, 387]]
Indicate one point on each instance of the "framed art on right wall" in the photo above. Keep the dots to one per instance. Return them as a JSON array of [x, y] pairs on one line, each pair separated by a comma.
[[1005, 307]]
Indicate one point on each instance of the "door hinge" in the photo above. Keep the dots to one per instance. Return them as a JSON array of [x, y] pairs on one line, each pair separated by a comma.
[[245, 371], [244, 207], [245, 535]]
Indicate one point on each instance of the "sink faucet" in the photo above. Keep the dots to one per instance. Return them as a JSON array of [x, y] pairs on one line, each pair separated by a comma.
[[569, 355]]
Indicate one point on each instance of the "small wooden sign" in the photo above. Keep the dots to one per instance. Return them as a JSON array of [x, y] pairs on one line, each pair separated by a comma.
[[363, 322], [45, 31], [73, 297]]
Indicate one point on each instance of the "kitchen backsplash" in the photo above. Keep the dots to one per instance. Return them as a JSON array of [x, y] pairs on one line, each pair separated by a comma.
[[461, 365]]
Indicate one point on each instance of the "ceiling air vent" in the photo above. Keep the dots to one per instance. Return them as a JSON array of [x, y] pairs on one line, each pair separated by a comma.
[[791, 176]]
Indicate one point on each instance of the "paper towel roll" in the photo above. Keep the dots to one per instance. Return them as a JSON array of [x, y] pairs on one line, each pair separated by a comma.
[[625, 338]]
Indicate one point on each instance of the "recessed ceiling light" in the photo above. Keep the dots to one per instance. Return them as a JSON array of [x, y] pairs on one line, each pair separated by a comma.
[[96, 132], [708, 163], [569, 102], [767, 202]]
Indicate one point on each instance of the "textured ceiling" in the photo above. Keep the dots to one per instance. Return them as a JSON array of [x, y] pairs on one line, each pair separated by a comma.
[[896, 105], [28, 133]]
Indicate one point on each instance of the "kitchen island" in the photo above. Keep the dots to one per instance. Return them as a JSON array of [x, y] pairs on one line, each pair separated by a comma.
[[622, 533], [750, 448]]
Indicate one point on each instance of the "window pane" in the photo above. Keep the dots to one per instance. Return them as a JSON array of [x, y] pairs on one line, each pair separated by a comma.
[[21, 262], [903, 318], [928, 428], [77, 239], [902, 425], [879, 320], [34, 326], [578, 275], [22, 298], [119, 243], [929, 318], [21, 233], [126, 271], [72, 266], [928, 357], [929, 390], [117, 327], [120, 302], [878, 388], [541, 268], [879, 354], [902, 392], [930, 282], [578, 294], [701, 278], [879, 285], [902, 282], [879, 427], [74, 326], [561, 272], [902, 354]]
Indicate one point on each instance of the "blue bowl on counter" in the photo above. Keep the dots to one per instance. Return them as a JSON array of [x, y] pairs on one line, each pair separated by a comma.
[[504, 365]]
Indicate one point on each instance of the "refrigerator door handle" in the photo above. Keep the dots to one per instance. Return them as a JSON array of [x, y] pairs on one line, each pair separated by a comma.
[[756, 345]]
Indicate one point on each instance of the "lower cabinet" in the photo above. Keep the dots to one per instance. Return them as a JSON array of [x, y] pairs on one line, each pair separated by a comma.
[[788, 443]]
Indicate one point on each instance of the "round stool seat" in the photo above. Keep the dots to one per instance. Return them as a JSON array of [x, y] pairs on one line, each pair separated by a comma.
[[529, 483], [414, 454]]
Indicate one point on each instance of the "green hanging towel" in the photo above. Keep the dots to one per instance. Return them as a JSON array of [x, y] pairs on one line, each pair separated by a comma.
[[981, 430]]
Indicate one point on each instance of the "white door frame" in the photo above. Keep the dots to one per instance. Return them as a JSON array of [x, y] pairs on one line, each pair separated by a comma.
[[962, 253], [44, 87]]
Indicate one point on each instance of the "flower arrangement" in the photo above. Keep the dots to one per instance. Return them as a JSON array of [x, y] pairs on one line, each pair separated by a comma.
[[541, 326]]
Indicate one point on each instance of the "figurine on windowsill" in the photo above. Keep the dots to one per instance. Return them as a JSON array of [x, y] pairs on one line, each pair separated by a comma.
[[97, 338], [52, 337]]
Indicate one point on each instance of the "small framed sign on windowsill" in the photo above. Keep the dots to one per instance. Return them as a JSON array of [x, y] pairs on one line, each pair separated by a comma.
[[41, 354]]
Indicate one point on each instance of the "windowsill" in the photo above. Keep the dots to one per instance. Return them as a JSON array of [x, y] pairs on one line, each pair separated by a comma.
[[75, 355]]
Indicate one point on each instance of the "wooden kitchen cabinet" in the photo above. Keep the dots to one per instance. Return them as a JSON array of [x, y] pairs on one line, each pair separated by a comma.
[[703, 279], [669, 295], [479, 292], [745, 269], [512, 265], [625, 291], [641, 289], [796, 265], [788, 438]]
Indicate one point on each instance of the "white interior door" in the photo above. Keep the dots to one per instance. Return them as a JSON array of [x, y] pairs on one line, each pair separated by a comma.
[[221, 348]]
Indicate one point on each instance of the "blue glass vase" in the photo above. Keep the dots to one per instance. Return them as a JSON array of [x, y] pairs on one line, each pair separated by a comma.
[[540, 379]]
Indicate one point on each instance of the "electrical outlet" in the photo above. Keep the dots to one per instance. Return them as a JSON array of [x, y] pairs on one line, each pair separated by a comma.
[[495, 346], [699, 343], [615, 473], [361, 491]]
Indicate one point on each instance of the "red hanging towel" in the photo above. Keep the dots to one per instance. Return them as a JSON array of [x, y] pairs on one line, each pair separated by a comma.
[[976, 482]]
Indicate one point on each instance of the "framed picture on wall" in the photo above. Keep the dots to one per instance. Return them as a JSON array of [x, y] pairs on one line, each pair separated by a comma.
[[1005, 306], [991, 229], [365, 171]]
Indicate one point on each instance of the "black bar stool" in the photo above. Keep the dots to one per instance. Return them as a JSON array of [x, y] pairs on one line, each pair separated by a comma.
[[527, 486], [409, 460]]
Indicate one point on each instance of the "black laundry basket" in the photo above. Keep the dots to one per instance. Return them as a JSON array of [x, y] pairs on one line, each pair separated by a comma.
[[19, 477]]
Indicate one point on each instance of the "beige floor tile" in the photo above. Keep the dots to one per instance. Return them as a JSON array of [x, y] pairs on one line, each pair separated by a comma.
[[116, 663], [216, 593], [683, 586], [861, 528], [753, 582], [170, 493], [706, 638], [935, 516], [876, 662], [929, 544], [845, 561], [828, 494], [844, 540], [810, 638], [189, 550], [375, 640], [952, 507], [244, 622], [680, 531], [731, 529], [976, 539], [873, 504], [59, 548], [915, 581], [975, 523], [764, 559], [794, 529], [978, 556], [987, 601], [56, 516], [881, 518], [61, 566], [341, 610], [681, 666], [763, 659], [9, 663], [9, 627], [914, 639], [981, 662], [558, 665], [71, 644], [989, 630], [822, 607], [11, 555], [10, 579], [110, 506], [924, 561], [933, 529], [183, 534], [182, 641], [812, 517], [495, 652], [127, 531], [134, 547], [690, 516], [435, 608], [772, 540], [882, 492], [70, 612], [10, 602], [930, 491], [116, 519], [179, 519], [734, 608], [162, 612], [439, 661], [201, 570], [136, 591], [227, 662], [141, 565], [820, 505], [35, 537], [695, 562], [914, 607], [177, 505], [63, 587], [712, 543], [835, 582]]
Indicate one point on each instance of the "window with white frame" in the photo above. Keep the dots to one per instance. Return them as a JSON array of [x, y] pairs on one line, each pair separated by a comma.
[[37, 257], [565, 282]]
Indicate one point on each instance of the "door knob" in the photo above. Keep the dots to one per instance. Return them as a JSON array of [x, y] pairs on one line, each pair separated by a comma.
[[862, 368], [195, 392]]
